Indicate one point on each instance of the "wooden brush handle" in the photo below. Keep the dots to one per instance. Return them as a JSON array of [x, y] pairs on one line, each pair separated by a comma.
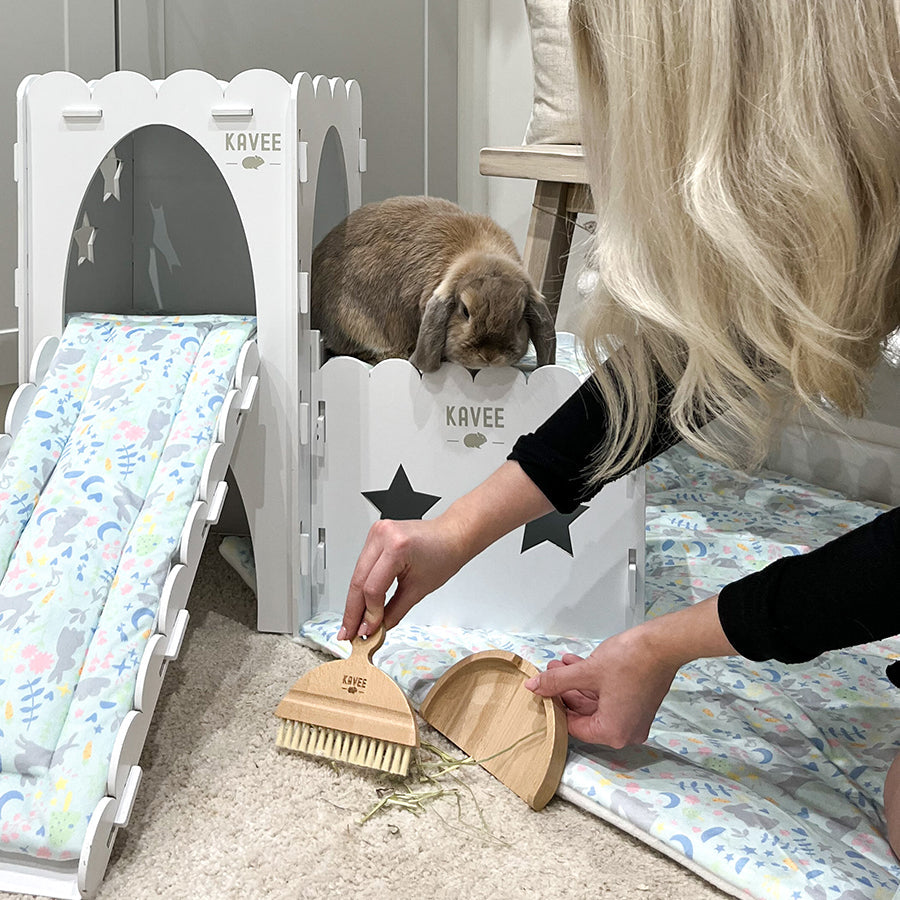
[[364, 647]]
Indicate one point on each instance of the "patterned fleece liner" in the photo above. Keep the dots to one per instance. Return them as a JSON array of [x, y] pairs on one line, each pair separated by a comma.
[[94, 494], [765, 779]]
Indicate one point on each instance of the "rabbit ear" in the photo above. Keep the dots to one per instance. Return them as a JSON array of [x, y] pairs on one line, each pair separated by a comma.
[[433, 332], [541, 328]]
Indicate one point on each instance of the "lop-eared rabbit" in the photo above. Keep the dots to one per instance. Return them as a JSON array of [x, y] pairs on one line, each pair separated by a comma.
[[421, 279]]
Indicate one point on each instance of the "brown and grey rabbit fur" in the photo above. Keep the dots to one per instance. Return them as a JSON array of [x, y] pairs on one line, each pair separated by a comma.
[[420, 278]]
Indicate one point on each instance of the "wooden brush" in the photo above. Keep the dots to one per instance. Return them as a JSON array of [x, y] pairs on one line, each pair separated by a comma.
[[349, 710]]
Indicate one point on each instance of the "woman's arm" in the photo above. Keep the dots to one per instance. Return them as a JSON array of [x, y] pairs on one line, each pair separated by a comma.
[[612, 696], [422, 554], [842, 594]]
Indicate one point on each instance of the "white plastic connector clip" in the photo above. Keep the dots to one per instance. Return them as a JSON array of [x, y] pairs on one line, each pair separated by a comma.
[[126, 801], [72, 113], [304, 554], [232, 112], [304, 424], [214, 510], [176, 638], [363, 155], [632, 579], [303, 161], [248, 398], [320, 562], [303, 291]]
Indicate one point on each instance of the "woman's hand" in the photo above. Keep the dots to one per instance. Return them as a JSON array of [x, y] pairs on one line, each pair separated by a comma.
[[421, 554], [613, 695]]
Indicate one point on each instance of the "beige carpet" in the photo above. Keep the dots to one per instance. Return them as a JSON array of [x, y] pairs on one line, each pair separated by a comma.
[[222, 814]]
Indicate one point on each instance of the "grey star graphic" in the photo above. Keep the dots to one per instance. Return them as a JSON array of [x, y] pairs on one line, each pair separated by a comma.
[[84, 238], [111, 170], [400, 501], [554, 527]]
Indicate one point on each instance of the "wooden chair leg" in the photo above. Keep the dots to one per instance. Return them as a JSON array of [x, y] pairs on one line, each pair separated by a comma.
[[549, 240]]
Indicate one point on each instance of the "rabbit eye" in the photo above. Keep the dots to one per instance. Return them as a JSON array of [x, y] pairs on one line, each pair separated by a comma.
[[464, 310]]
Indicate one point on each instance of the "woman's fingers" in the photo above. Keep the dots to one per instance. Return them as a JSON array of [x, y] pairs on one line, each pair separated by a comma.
[[375, 571], [556, 680]]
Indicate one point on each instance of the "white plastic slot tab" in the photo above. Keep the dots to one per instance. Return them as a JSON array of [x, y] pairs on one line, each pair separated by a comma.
[[97, 846], [176, 638], [19, 404], [303, 161], [249, 397], [5, 444], [126, 801], [363, 155], [304, 554], [193, 535], [304, 424], [19, 290], [150, 674], [214, 510], [303, 291], [126, 750], [247, 365], [232, 112], [41, 359], [16, 163], [320, 562], [174, 597], [76, 113], [320, 431], [632, 579]]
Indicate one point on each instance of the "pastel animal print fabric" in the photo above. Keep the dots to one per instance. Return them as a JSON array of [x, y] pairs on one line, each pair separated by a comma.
[[764, 778], [94, 494]]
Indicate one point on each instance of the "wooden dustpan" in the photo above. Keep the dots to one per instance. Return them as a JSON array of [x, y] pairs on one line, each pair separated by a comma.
[[481, 705]]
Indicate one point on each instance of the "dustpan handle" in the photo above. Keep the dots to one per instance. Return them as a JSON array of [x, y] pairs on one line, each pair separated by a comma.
[[365, 647]]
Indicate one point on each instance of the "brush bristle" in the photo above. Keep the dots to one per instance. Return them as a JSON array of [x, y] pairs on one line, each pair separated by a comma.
[[344, 746]]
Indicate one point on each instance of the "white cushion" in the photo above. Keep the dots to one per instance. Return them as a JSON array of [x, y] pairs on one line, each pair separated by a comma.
[[554, 113]]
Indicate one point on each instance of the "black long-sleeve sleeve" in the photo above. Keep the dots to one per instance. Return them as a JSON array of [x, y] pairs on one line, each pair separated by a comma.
[[843, 594], [557, 457]]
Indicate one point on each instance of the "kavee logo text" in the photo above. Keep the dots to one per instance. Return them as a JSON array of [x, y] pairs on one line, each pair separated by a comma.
[[353, 684], [475, 416], [256, 141]]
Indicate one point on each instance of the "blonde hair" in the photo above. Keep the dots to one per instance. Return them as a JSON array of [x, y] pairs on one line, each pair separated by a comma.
[[744, 158]]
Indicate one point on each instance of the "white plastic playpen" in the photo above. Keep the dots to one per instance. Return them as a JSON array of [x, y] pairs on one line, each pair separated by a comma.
[[192, 197]]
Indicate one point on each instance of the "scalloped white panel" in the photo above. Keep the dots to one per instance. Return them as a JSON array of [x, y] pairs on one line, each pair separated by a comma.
[[97, 847], [126, 749], [193, 535], [174, 596], [42, 358], [251, 128], [18, 407], [449, 432], [5, 444]]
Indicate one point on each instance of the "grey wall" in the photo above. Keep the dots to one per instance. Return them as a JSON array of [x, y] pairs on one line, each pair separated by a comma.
[[39, 36], [401, 52], [382, 45]]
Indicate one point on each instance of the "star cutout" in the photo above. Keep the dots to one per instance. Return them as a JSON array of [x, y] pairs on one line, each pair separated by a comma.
[[554, 527], [84, 238], [400, 501], [111, 170]]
